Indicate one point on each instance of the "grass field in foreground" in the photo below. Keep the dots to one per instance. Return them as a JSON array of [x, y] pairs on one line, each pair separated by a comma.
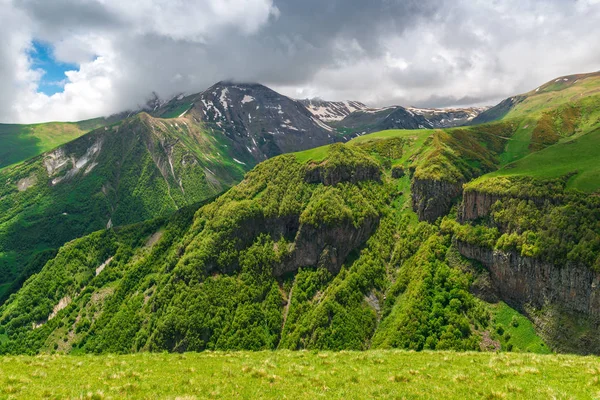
[[302, 375]]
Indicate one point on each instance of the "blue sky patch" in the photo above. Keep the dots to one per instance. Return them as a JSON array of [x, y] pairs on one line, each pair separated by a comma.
[[42, 57]]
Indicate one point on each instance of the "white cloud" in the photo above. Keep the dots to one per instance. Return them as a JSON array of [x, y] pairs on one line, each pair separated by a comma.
[[429, 52], [193, 20]]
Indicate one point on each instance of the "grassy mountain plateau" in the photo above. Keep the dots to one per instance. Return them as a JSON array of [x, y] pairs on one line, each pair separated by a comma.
[[240, 219]]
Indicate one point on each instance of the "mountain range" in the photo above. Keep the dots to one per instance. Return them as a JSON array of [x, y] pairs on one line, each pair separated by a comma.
[[143, 164], [465, 229]]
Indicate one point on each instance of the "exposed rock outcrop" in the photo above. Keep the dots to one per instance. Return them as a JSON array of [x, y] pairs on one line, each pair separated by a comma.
[[326, 246], [398, 171], [330, 176], [524, 280], [476, 205], [432, 199], [549, 293]]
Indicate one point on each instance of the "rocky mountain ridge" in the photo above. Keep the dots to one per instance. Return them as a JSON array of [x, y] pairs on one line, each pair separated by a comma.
[[332, 111]]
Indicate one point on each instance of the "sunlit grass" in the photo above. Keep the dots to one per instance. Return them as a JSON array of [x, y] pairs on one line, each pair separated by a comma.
[[301, 375]]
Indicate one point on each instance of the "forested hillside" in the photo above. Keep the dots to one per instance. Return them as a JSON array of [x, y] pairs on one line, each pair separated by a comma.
[[414, 239], [138, 169], [317, 250]]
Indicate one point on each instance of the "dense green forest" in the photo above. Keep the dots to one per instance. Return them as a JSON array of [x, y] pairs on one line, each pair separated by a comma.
[[136, 170], [324, 253]]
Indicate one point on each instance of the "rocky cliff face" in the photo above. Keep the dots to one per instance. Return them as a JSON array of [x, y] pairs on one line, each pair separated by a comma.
[[524, 280], [562, 300], [432, 199], [476, 205], [341, 173], [326, 246]]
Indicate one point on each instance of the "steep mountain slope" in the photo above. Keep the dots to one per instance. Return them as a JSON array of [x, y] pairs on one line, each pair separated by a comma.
[[369, 120], [138, 169], [319, 249], [534, 222], [448, 117], [367, 244], [261, 122], [331, 111], [20, 142], [559, 91]]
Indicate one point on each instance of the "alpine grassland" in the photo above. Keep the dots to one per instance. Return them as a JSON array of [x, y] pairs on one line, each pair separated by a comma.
[[382, 374], [21, 142]]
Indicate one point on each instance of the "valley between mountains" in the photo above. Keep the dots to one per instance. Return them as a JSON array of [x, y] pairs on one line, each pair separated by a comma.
[[240, 219]]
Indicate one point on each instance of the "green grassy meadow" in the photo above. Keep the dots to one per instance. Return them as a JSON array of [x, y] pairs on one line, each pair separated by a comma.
[[419, 136], [578, 156], [302, 375], [20, 142]]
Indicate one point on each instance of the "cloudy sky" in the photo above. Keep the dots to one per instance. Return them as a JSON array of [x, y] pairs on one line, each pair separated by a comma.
[[78, 59]]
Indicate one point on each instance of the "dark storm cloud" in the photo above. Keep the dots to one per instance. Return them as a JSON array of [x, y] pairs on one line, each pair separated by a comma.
[[318, 21], [59, 16]]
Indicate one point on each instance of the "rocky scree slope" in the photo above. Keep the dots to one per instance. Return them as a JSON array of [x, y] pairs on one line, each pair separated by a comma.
[[331, 111], [259, 121], [369, 120]]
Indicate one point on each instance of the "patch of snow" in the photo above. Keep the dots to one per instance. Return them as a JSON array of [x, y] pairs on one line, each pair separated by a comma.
[[223, 98], [180, 97], [377, 110], [109, 224], [238, 161], [322, 124], [185, 112], [247, 99]]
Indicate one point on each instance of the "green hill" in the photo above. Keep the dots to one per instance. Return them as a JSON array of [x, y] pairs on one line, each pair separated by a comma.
[[20, 142], [318, 250], [561, 111], [135, 170]]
